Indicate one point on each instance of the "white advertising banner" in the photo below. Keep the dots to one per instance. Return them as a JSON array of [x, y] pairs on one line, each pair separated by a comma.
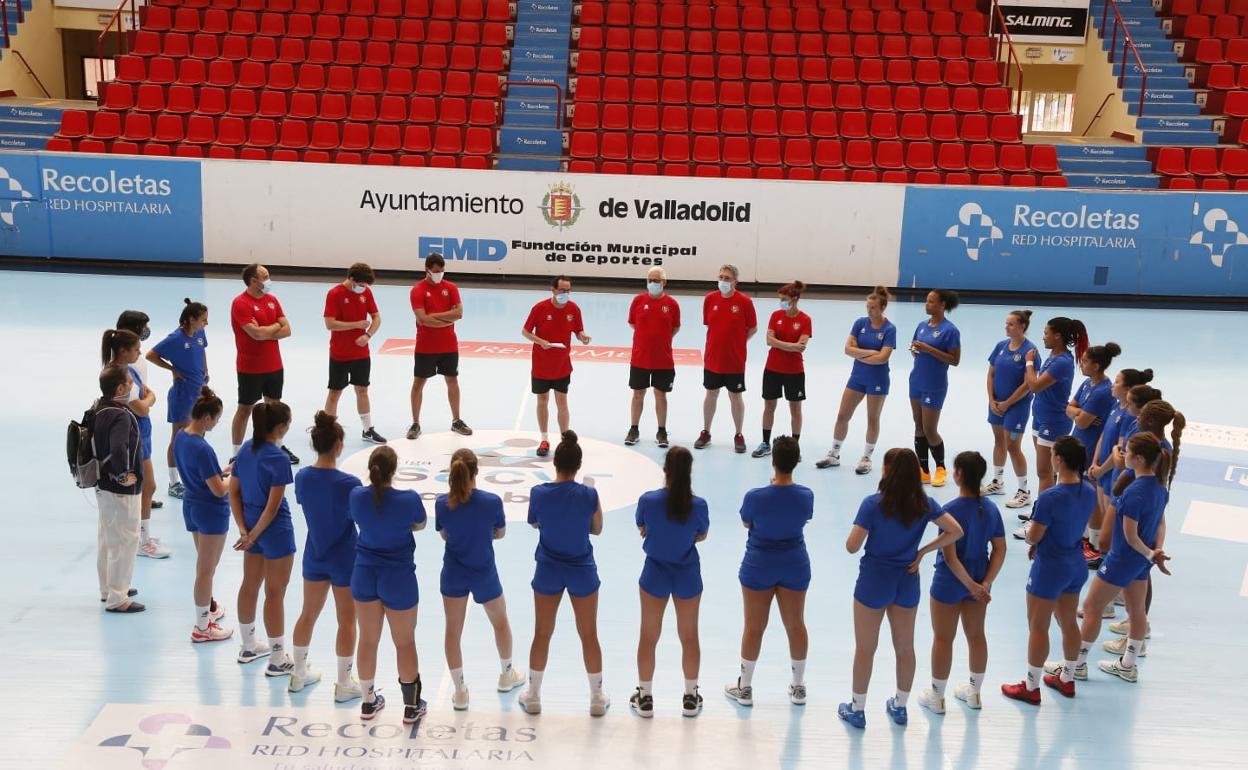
[[529, 223]]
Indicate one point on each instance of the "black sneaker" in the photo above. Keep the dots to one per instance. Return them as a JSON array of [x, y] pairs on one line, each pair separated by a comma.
[[133, 592], [412, 714], [660, 438], [633, 437], [643, 705], [372, 436], [291, 455], [370, 710], [461, 427], [158, 504], [413, 432], [692, 705]]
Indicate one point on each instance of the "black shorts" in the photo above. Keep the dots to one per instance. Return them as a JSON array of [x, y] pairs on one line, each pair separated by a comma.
[[793, 385], [432, 364], [735, 383], [659, 379], [560, 385], [342, 373], [252, 386]]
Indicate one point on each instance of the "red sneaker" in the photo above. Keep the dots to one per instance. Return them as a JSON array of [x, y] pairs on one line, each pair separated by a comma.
[[1089, 553], [543, 449], [738, 444], [1055, 681], [704, 438], [1020, 692]]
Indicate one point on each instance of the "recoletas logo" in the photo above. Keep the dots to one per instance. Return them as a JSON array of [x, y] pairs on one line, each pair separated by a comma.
[[1219, 234], [161, 737], [9, 206], [973, 228]]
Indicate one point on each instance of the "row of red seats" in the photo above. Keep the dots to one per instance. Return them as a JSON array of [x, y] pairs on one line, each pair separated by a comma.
[[1202, 161], [849, 96], [1235, 131], [1200, 26], [816, 44], [1203, 183], [876, 5], [265, 49], [1226, 77], [243, 102], [233, 131], [210, 45], [469, 10], [300, 26], [783, 19], [954, 72], [1231, 103], [824, 153], [308, 77], [257, 153], [944, 127], [1205, 7], [624, 39], [810, 174], [1211, 50]]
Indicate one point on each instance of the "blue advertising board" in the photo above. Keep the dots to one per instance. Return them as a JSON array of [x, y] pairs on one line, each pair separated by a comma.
[[1075, 241]]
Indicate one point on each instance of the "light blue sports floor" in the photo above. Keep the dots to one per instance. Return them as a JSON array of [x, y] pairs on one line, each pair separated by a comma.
[[64, 658]]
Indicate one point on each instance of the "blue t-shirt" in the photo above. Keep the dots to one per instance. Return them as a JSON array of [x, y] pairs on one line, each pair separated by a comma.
[[889, 541], [981, 522], [1114, 422], [1008, 368], [385, 538], [470, 529], [563, 511], [197, 462], [1130, 472], [1050, 403], [868, 337], [258, 471], [777, 514], [186, 353], [1098, 400], [928, 373], [1065, 510], [324, 494], [1145, 501], [670, 541]]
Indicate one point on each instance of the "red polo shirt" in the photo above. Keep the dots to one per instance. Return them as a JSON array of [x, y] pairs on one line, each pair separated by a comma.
[[342, 304], [553, 324], [255, 356], [653, 322], [728, 321], [787, 329], [435, 298]]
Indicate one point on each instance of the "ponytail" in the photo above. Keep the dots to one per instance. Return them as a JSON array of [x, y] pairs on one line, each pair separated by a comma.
[[191, 311], [382, 464], [973, 468], [678, 468], [207, 405], [463, 471], [1073, 332], [114, 341], [1176, 437], [266, 417]]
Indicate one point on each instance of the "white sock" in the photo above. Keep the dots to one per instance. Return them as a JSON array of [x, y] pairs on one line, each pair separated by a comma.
[[1068, 671], [535, 682], [859, 700], [143, 535], [998, 472], [691, 686], [277, 648], [798, 667], [367, 421], [367, 690], [1033, 677], [344, 670], [457, 676], [901, 698], [544, 438], [939, 686], [248, 630], [301, 660], [237, 447], [173, 476], [201, 616], [977, 682], [1022, 483], [645, 687], [747, 673], [1132, 652], [1083, 653], [504, 664], [1094, 537], [836, 447], [868, 450], [595, 683]]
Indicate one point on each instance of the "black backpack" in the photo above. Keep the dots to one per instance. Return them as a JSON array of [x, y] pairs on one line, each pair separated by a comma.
[[84, 466]]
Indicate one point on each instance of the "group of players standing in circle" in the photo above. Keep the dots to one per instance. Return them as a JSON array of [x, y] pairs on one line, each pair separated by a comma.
[[1103, 463]]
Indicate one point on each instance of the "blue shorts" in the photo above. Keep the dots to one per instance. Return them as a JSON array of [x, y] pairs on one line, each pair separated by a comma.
[[335, 566], [1051, 427], [552, 579], [457, 581], [947, 589], [877, 386], [206, 519], [182, 396], [1119, 569], [1015, 418], [792, 574], [1106, 483], [929, 399], [1051, 578], [276, 542], [880, 585], [145, 436], [661, 579], [394, 587]]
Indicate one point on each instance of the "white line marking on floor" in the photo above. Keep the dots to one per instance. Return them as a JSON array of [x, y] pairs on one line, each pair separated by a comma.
[[1216, 436], [524, 407], [1243, 589], [1224, 522]]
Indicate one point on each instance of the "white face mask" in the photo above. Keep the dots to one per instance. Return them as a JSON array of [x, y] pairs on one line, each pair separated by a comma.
[[266, 286], [785, 304], [562, 298], [358, 288], [654, 287], [725, 287], [435, 278]]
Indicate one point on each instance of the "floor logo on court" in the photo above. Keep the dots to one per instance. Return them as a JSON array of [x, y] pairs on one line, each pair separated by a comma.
[[1219, 234], [973, 228], [161, 737]]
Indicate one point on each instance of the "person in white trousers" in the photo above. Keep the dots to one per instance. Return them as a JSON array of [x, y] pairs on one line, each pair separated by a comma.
[[116, 444]]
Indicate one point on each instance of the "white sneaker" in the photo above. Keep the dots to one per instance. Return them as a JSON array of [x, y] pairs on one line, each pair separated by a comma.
[[929, 700], [797, 694], [213, 633], [510, 680], [309, 678], [864, 466], [152, 549], [994, 487], [1119, 647], [1021, 533], [280, 666], [1119, 600], [830, 460], [1021, 499], [532, 704], [744, 696], [1115, 668], [1123, 627], [1108, 613], [967, 694], [250, 654], [599, 702], [1055, 667], [459, 700], [214, 616], [347, 692]]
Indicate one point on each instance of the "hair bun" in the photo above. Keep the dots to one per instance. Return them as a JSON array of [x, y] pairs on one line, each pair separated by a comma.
[[1114, 349], [1026, 314], [186, 300], [1147, 374], [324, 419], [799, 285], [569, 436], [206, 392]]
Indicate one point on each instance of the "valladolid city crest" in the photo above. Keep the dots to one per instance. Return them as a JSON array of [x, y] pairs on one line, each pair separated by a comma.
[[561, 206]]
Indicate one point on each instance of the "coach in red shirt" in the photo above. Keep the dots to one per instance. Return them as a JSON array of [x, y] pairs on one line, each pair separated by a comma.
[[550, 326], [352, 319], [655, 319], [258, 322], [730, 322], [437, 306]]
